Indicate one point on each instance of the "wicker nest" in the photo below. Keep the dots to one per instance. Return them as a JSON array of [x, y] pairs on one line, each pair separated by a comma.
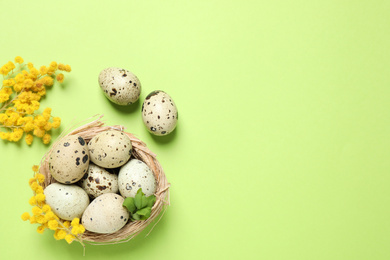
[[141, 152]]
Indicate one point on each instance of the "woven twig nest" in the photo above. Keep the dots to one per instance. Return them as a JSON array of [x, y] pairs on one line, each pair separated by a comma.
[[141, 152]]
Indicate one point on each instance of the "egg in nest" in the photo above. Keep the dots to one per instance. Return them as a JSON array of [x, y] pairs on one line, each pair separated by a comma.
[[110, 149], [69, 159]]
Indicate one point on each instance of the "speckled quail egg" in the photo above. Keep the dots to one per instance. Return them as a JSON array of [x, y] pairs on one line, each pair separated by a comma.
[[135, 175], [105, 214], [110, 149], [98, 181], [119, 85], [66, 201], [159, 113], [69, 159]]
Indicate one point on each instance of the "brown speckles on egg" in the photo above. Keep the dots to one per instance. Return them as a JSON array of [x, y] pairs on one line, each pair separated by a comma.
[[113, 92], [81, 140], [101, 187], [99, 181]]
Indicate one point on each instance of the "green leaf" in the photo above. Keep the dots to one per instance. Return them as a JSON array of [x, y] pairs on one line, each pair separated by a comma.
[[144, 201], [151, 200], [129, 204], [147, 215], [144, 218], [136, 216], [144, 211], [138, 199]]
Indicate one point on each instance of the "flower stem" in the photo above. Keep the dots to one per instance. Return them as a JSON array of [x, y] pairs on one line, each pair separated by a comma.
[[4, 106]]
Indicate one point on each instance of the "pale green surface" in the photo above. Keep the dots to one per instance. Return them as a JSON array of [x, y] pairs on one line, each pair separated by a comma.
[[282, 148]]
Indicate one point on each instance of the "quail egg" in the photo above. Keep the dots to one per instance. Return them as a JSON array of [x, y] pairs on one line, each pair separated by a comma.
[[110, 149], [69, 159], [159, 113], [98, 181], [105, 214], [66, 201], [135, 175], [120, 86]]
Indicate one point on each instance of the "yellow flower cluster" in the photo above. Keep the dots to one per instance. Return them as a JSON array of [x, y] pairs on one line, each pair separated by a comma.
[[21, 90], [43, 215]]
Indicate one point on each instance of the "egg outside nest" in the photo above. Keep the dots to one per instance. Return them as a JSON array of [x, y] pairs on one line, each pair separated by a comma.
[[159, 113], [120, 86]]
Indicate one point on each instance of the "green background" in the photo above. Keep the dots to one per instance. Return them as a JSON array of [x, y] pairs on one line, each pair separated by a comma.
[[282, 147]]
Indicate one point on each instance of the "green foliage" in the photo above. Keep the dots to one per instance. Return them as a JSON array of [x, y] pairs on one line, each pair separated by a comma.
[[140, 207]]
